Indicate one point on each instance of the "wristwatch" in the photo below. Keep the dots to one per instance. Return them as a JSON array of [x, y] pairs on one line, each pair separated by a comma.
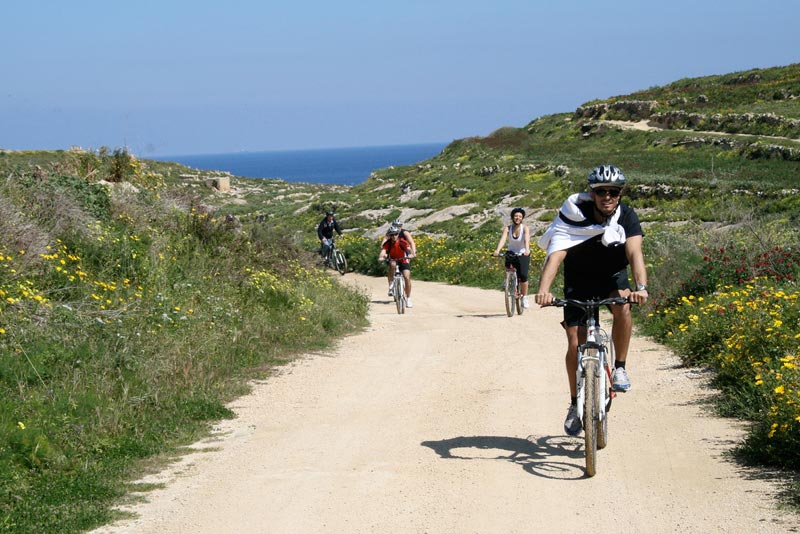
[[641, 287]]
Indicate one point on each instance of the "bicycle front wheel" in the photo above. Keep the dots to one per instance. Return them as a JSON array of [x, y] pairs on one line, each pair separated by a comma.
[[604, 385], [399, 294], [591, 414], [339, 261], [510, 292]]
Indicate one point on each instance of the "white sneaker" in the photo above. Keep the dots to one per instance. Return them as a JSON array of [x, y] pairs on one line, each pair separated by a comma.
[[525, 302], [408, 303], [620, 380], [391, 290]]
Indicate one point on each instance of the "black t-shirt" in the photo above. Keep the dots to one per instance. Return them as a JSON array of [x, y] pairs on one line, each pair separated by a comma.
[[591, 262]]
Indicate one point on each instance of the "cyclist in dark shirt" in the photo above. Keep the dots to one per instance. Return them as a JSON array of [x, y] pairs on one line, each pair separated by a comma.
[[325, 231], [596, 237]]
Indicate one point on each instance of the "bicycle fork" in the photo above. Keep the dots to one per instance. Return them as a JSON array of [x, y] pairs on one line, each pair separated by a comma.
[[603, 373]]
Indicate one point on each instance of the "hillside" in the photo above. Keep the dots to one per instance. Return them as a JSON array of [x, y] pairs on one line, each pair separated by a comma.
[[138, 297], [683, 167], [699, 150]]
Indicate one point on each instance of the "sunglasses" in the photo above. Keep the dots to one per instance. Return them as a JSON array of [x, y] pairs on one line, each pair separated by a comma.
[[612, 193]]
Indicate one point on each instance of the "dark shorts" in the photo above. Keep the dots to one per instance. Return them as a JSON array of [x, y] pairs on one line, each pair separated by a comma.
[[404, 266], [522, 264], [574, 316]]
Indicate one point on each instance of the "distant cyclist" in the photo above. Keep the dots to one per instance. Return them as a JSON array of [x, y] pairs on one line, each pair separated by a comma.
[[405, 234], [325, 230], [398, 251], [596, 237], [519, 242]]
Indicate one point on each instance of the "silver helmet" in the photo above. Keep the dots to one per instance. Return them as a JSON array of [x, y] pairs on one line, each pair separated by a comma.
[[606, 176]]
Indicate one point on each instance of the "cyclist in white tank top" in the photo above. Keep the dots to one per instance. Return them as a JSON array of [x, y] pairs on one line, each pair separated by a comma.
[[518, 236]]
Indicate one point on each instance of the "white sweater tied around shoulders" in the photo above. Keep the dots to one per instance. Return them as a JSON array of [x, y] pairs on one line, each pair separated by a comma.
[[571, 227]]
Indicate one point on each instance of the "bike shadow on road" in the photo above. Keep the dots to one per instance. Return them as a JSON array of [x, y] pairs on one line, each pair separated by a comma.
[[556, 457]]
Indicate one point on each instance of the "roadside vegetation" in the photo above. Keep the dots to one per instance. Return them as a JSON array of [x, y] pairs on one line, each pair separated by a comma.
[[136, 301], [129, 317]]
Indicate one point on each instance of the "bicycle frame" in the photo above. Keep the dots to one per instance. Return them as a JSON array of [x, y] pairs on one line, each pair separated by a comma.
[[334, 258], [597, 339], [593, 377], [512, 296], [399, 286]]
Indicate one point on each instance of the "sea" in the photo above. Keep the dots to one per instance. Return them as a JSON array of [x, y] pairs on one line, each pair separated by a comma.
[[344, 166]]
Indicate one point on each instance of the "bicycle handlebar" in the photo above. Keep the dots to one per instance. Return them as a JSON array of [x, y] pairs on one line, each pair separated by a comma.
[[591, 304], [507, 253], [409, 257]]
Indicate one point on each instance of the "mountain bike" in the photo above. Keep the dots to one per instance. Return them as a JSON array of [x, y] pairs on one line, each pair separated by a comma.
[[511, 292], [398, 287], [335, 258], [594, 377]]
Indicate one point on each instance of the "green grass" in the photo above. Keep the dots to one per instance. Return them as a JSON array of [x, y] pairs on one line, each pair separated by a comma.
[[130, 330]]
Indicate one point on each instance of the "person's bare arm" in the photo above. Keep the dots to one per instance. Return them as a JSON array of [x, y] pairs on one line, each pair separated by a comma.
[[502, 241], [411, 242], [527, 237], [633, 250], [543, 296]]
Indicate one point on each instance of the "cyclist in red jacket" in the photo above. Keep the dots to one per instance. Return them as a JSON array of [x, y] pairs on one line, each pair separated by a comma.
[[398, 251]]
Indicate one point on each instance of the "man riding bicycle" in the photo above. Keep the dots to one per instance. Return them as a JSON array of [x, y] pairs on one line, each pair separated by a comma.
[[519, 242], [596, 237], [398, 251], [325, 231]]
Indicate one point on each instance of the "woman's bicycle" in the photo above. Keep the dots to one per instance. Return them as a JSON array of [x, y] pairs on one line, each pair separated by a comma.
[[594, 377], [335, 258], [398, 287], [511, 292]]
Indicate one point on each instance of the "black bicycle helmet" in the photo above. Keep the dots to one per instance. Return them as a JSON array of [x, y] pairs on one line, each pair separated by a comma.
[[398, 223], [393, 230], [606, 176], [329, 212], [517, 210]]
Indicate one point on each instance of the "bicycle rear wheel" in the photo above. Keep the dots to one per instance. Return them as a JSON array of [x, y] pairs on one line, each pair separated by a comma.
[[510, 296], [399, 294], [591, 415], [339, 261]]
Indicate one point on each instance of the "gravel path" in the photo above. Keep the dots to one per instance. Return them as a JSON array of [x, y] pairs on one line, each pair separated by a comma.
[[449, 419]]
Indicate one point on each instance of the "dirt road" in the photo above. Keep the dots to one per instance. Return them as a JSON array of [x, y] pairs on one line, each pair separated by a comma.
[[449, 419]]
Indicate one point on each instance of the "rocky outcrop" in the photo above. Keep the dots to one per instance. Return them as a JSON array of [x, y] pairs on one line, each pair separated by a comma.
[[677, 119], [760, 150], [594, 111], [627, 110], [489, 170], [754, 123], [631, 110]]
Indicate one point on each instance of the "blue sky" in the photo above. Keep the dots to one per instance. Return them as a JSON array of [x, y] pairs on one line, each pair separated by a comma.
[[179, 77]]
